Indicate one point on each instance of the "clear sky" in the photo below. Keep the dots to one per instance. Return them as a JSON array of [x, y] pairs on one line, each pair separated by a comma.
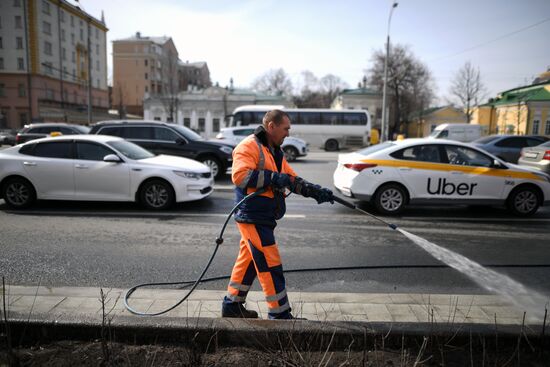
[[244, 38]]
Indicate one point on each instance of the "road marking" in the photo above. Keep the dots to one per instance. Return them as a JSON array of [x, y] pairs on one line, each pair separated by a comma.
[[132, 214]]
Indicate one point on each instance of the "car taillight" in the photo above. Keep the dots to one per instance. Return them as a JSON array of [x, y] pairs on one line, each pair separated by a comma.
[[17, 138], [547, 155], [359, 166]]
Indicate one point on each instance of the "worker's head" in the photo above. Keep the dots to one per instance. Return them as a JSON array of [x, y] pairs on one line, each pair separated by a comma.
[[277, 126]]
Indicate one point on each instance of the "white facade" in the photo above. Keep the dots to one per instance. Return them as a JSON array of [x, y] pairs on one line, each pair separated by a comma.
[[205, 110]]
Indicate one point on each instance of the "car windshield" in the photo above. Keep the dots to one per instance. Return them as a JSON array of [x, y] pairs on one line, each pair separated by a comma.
[[82, 129], [188, 133], [375, 148], [485, 140], [130, 150]]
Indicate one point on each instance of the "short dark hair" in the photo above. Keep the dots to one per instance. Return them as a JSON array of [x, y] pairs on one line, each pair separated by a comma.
[[276, 116]]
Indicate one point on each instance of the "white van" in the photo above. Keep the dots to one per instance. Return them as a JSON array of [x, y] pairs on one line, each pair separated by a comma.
[[459, 132]]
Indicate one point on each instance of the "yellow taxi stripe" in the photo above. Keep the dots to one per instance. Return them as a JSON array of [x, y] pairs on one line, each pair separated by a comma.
[[450, 167]]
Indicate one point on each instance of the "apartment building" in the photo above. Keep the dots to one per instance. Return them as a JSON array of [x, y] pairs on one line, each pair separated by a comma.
[[193, 76], [53, 63], [143, 66]]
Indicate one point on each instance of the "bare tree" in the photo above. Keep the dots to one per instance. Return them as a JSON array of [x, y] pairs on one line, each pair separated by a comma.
[[410, 83], [317, 93], [468, 88], [169, 96], [331, 85], [273, 82]]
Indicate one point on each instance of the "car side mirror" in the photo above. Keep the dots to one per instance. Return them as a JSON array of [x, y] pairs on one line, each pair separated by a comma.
[[112, 158], [180, 141], [498, 164]]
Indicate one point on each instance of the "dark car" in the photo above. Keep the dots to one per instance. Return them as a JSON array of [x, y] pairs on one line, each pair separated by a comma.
[[7, 137], [45, 129], [507, 147], [171, 139]]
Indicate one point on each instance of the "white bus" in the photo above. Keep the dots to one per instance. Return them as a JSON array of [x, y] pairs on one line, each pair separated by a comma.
[[323, 128]]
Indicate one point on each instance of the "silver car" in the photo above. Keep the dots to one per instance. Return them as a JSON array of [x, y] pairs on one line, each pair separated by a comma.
[[537, 157]]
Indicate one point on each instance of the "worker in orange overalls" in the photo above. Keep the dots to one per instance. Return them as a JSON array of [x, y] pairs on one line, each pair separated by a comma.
[[259, 163]]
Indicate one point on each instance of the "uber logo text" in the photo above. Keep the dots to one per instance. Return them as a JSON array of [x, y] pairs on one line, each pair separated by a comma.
[[449, 188]]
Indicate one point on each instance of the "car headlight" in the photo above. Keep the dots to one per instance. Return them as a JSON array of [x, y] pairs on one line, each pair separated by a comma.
[[226, 150], [186, 174]]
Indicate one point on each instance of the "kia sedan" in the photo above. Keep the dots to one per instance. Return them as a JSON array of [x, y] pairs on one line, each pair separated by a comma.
[[98, 168], [427, 171]]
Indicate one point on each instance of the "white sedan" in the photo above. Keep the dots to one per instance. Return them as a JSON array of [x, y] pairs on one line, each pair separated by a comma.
[[292, 147], [427, 171], [98, 168]]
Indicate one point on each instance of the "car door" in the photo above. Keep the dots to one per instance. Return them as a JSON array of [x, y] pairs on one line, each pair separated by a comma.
[[50, 168], [422, 171], [140, 135], [169, 142], [96, 179], [509, 148], [471, 175]]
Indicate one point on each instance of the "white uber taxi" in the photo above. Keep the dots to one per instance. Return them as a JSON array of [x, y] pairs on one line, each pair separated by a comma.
[[426, 171]]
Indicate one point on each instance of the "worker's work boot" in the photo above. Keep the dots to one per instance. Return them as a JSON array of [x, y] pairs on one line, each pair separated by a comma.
[[285, 316], [237, 310]]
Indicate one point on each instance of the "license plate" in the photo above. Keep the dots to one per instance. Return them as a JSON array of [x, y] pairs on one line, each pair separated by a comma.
[[531, 155]]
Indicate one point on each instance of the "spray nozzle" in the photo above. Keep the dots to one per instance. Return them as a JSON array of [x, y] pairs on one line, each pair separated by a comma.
[[392, 226], [219, 241]]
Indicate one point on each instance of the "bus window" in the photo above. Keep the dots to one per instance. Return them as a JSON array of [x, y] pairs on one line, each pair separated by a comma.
[[331, 118], [258, 117], [293, 116], [246, 118], [310, 118], [354, 119]]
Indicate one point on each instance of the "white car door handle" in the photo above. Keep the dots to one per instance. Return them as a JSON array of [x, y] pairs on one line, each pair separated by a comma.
[[405, 168], [456, 173], [29, 163], [81, 166]]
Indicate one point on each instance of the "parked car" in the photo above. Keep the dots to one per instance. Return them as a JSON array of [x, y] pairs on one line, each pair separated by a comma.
[[507, 147], [166, 138], [45, 129], [458, 132], [537, 157], [292, 147], [98, 168], [432, 171], [7, 137]]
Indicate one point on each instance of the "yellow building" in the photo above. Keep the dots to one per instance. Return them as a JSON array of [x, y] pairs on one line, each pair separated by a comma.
[[422, 123], [519, 111]]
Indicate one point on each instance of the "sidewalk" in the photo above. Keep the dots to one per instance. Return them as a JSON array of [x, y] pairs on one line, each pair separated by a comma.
[[349, 313]]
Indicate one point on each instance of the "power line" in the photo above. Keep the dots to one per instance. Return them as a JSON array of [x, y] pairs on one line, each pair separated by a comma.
[[493, 40]]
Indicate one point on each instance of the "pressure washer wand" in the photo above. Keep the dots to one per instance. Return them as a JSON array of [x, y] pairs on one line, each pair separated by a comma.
[[353, 206]]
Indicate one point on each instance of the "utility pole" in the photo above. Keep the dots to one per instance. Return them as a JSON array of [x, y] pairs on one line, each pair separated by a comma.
[[384, 124], [89, 75]]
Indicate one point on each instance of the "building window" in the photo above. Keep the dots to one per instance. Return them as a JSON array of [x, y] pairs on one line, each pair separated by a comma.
[[216, 124], [64, 71], [20, 63], [48, 68], [46, 28], [45, 7], [97, 85], [81, 34], [146, 89], [72, 21], [1, 43], [72, 38], [17, 3], [18, 22], [146, 76], [64, 53], [62, 16], [96, 33], [186, 122], [97, 65], [202, 124], [23, 119], [2, 90], [97, 49], [547, 128], [47, 48], [19, 43], [49, 93], [146, 62], [62, 35], [22, 92], [536, 124], [1, 63], [73, 57]]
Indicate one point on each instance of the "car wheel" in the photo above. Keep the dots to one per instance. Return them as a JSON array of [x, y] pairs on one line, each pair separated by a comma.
[[331, 145], [390, 199], [18, 193], [214, 165], [157, 195], [524, 201], [290, 153]]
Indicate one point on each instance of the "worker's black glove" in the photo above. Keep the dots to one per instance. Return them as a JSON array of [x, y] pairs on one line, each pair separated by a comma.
[[281, 180], [321, 194]]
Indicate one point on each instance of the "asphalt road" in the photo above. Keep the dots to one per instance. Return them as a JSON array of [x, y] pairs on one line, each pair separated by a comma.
[[119, 245]]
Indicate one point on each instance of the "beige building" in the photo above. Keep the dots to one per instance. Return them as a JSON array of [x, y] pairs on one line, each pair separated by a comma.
[[53, 61], [519, 111], [422, 123], [143, 66], [205, 110], [193, 75], [361, 98]]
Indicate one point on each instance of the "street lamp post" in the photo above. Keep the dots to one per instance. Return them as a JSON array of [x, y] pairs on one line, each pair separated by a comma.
[[384, 124]]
